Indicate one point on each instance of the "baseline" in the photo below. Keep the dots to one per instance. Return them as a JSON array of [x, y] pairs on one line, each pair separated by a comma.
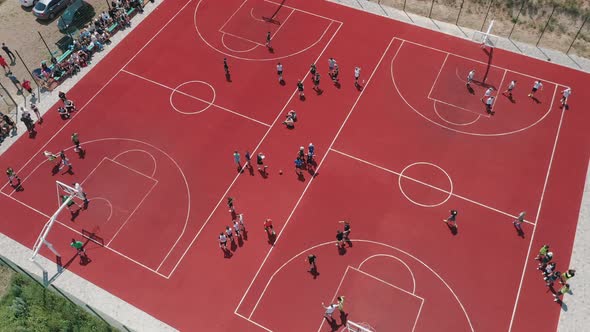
[[266, 59], [454, 129]]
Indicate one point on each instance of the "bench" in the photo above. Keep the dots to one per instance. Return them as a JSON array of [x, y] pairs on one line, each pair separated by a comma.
[[63, 57], [112, 28]]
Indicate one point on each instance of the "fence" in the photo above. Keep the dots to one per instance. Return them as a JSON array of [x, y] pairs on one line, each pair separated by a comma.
[[96, 313], [559, 25]]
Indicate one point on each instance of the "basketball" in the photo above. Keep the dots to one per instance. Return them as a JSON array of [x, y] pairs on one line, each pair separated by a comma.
[[281, 172]]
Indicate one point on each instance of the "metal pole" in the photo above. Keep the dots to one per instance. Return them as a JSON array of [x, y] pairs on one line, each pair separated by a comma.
[[546, 25], [460, 10], [29, 71], [404, 9], [487, 13], [108, 4], [576, 37], [431, 6], [9, 95], [517, 17], [42, 39]]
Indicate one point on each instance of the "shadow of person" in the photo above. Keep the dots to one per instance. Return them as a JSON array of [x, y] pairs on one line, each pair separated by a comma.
[[240, 242], [454, 230], [519, 231], [536, 100], [343, 318], [228, 77], [302, 97], [233, 246], [341, 251], [75, 214], [470, 90], [314, 272], [300, 177], [272, 237]]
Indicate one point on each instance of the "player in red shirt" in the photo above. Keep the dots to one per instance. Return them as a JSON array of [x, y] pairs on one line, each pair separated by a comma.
[[26, 84], [268, 227]]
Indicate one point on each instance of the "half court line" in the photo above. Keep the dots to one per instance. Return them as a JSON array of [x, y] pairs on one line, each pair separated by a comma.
[[429, 185], [312, 179], [279, 116], [196, 98]]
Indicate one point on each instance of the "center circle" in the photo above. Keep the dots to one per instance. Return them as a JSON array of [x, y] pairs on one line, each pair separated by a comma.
[[197, 96], [420, 166]]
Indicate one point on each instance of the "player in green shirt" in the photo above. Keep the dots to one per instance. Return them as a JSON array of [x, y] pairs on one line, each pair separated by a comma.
[[79, 246], [542, 252]]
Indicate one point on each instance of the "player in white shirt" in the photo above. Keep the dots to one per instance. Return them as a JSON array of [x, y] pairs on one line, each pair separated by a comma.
[[222, 241], [81, 194], [488, 93], [280, 72], [511, 87], [538, 85], [470, 77], [565, 95], [357, 74], [489, 104], [329, 311]]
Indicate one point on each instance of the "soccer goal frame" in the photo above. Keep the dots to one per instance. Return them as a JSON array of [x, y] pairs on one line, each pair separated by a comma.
[[71, 193]]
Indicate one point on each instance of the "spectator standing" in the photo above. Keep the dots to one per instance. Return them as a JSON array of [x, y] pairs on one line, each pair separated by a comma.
[[4, 65], [9, 53]]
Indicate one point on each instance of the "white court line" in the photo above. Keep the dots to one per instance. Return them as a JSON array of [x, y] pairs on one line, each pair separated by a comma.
[[330, 244], [450, 122], [196, 26], [242, 38], [429, 185], [132, 212], [304, 11], [526, 259], [82, 235], [233, 50], [108, 203], [454, 129], [478, 61], [131, 169], [139, 150], [385, 282], [253, 322], [42, 148], [317, 170], [232, 16], [442, 66], [279, 116], [282, 24], [459, 107], [498, 90], [196, 98], [399, 260], [418, 315]]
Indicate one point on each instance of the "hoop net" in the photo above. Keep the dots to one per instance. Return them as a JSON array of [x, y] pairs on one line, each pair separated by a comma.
[[359, 327]]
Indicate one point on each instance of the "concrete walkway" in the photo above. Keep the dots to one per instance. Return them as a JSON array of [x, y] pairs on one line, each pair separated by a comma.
[[577, 316]]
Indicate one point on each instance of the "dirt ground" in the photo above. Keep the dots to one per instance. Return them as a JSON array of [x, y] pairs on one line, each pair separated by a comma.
[[20, 31], [559, 34]]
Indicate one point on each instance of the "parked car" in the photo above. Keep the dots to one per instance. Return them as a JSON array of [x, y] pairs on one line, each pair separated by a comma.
[[48, 9], [27, 3], [75, 16]]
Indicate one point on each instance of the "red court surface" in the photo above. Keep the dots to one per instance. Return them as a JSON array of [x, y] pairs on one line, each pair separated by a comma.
[[159, 122]]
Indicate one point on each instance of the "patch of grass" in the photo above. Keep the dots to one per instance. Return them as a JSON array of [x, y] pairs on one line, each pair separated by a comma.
[[29, 307], [5, 274]]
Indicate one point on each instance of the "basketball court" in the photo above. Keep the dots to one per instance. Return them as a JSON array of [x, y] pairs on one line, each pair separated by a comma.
[[159, 121]]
